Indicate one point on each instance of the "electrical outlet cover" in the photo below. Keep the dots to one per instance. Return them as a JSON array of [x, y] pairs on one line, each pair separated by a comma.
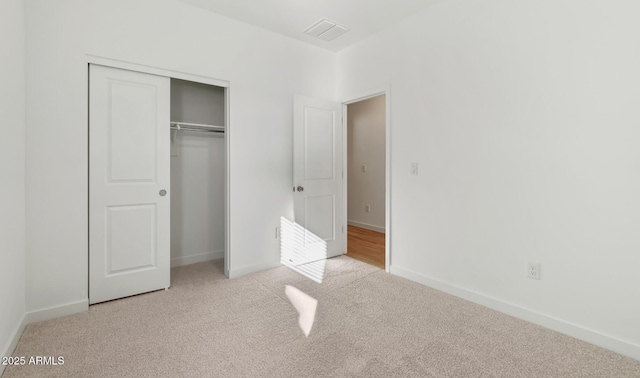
[[533, 270], [414, 169]]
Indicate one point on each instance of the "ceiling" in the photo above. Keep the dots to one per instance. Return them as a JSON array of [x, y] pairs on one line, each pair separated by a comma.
[[292, 17]]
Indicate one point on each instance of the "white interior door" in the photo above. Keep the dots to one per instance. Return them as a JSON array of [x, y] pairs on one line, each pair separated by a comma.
[[317, 170], [129, 200]]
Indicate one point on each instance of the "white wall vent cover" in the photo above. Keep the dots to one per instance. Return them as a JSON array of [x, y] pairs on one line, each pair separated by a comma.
[[326, 30]]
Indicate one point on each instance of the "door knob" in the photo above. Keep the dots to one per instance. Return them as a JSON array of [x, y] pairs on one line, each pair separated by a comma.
[[299, 188], [163, 193]]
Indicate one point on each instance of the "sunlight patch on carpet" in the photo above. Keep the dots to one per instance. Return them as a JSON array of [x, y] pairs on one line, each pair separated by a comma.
[[305, 305]]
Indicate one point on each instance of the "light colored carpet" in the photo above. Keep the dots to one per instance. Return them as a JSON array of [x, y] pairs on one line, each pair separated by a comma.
[[368, 324]]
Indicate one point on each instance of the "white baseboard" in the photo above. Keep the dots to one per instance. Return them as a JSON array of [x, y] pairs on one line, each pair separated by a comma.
[[194, 259], [57, 311], [591, 336], [242, 271], [13, 340], [366, 226]]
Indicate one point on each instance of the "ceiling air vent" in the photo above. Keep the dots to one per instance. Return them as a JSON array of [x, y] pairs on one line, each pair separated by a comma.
[[326, 30]]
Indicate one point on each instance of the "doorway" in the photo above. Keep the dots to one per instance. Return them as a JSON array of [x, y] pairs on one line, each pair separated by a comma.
[[367, 179]]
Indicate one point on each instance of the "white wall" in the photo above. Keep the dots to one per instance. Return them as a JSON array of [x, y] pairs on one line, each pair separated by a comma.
[[523, 116], [12, 171], [265, 70], [366, 130], [197, 175], [197, 198]]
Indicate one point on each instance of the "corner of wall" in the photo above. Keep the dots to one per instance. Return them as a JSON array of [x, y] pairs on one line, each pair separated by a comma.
[[13, 168], [13, 340]]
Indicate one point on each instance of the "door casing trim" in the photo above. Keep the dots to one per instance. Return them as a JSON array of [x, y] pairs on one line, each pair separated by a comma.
[[115, 63]]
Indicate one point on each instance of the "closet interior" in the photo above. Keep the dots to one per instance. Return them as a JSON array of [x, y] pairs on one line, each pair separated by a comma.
[[197, 172]]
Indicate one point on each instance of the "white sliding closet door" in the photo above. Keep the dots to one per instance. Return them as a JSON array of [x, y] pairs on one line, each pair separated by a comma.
[[129, 200]]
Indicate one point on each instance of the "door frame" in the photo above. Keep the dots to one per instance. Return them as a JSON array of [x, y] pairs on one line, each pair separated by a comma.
[[114, 63], [386, 91]]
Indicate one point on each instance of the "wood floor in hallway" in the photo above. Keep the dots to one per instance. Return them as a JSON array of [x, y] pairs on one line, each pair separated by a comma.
[[366, 246]]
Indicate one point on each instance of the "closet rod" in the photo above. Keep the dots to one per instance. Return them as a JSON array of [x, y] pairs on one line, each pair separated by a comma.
[[196, 127]]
